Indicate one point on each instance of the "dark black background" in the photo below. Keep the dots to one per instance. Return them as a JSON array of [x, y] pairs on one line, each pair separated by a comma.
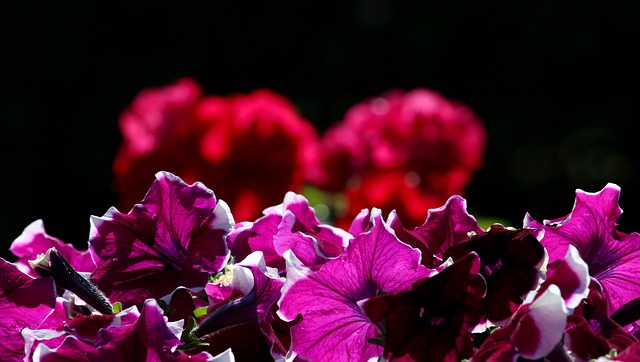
[[555, 82]]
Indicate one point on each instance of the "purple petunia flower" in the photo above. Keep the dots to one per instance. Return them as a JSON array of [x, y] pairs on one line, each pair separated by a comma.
[[536, 329], [24, 303], [512, 264], [333, 327], [148, 338], [613, 257], [431, 322], [240, 320], [590, 332], [34, 241], [174, 237], [293, 226]]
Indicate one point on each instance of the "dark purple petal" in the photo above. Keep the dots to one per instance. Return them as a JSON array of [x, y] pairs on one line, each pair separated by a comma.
[[590, 333], [511, 264], [333, 327], [613, 257], [175, 237], [431, 322], [24, 303], [445, 226]]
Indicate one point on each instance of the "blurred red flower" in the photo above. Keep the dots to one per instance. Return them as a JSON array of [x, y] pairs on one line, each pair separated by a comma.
[[249, 148], [407, 151]]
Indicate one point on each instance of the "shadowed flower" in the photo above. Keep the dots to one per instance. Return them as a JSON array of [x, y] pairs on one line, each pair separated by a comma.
[[613, 257], [445, 226], [512, 263], [24, 303], [251, 148], [590, 332], [174, 237], [537, 327], [408, 151], [333, 327], [431, 322]]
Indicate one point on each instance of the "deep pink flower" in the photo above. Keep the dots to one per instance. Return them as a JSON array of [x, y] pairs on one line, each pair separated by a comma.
[[432, 321], [333, 327], [613, 257], [293, 226], [24, 303], [537, 327], [408, 151], [511, 263], [175, 237], [34, 241], [251, 148], [157, 134], [256, 147]]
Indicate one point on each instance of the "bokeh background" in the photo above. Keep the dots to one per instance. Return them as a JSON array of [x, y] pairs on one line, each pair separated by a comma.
[[556, 84]]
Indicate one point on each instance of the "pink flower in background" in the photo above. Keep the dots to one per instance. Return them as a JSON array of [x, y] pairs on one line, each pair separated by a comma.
[[251, 148], [255, 148], [157, 135], [405, 151]]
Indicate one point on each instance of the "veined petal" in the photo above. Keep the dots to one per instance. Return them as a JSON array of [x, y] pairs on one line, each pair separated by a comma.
[[174, 237], [333, 326]]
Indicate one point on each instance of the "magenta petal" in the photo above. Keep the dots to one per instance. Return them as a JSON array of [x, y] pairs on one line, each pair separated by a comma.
[[333, 327], [24, 303], [613, 257], [34, 240], [175, 237]]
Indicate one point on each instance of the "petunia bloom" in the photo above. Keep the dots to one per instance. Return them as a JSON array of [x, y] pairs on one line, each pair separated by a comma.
[[333, 326], [432, 321], [408, 151], [24, 303], [512, 263], [240, 321], [292, 225], [148, 338], [613, 256], [251, 148], [537, 327], [590, 332], [34, 241], [174, 237]]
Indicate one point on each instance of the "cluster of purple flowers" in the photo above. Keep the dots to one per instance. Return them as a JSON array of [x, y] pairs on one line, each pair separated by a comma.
[[177, 279]]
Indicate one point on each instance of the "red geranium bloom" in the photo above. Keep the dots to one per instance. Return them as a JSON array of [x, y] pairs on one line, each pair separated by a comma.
[[409, 151], [250, 148]]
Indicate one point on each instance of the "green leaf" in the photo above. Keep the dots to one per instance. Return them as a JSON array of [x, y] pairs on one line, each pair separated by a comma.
[[117, 307], [486, 221], [199, 312]]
